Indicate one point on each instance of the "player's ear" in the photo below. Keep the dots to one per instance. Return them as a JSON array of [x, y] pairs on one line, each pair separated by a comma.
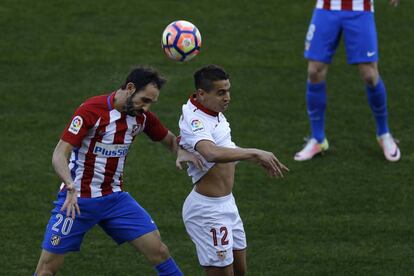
[[130, 87], [201, 93]]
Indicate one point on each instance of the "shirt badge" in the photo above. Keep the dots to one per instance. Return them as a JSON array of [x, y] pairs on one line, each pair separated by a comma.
[[75, 125], [197, 125]]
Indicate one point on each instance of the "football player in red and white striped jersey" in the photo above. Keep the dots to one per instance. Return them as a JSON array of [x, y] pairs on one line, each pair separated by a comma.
[[354, 20], [90, 159]]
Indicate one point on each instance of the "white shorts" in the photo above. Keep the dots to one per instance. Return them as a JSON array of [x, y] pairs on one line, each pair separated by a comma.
[[215, 226]]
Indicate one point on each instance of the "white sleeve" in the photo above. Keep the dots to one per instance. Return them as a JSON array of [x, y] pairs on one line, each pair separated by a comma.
[[193, 130]]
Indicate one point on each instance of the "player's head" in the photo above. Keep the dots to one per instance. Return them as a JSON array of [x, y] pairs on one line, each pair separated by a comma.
[[142, 88], [212, 85]]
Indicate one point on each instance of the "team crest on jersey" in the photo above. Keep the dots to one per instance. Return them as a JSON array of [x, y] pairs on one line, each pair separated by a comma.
[[75, 125], [136, 129], [55, 240], [197, 125], [221, 254]]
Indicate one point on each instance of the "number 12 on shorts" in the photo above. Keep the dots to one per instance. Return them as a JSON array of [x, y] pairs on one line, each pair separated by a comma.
[[224, 232]]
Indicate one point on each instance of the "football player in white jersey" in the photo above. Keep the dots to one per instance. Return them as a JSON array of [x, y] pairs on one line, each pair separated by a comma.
[[90, 158], [210, 214], [354, 20]]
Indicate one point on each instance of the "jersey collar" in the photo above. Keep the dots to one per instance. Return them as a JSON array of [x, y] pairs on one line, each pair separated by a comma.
[[110, 101], [193, 100]]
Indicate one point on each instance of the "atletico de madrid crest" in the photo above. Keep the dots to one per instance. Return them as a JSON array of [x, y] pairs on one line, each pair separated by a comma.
[[55, 240], [136, 129]]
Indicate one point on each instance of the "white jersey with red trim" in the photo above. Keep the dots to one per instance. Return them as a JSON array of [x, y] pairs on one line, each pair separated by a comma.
[[101, 137], [198, 123], [346, 5]]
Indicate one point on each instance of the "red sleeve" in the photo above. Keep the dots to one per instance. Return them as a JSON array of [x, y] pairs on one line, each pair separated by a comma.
[[154, 128], [82, 120]]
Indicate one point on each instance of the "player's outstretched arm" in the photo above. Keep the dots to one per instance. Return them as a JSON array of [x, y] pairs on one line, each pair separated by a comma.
[[394, 2], [170, 141], [216, 154], [60, 162]]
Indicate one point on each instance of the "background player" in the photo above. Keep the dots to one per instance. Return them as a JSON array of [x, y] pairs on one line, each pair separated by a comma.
[[355, 20], [210, 214], [98, 140]]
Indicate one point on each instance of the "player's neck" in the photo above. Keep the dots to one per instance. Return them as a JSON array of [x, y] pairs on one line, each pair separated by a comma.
[[120, 99]]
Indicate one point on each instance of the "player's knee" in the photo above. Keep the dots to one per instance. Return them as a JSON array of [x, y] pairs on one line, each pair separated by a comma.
[[49, 264], [370, 78], [45, 269], [369, 74], [316, 74], [159, 255]]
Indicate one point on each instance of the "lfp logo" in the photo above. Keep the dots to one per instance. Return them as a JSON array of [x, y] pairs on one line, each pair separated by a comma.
[[76, 124], [196, 125]]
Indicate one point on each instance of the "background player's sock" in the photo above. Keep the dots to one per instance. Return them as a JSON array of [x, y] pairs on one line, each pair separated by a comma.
[[316, 105], [168, 267], [377, 99]]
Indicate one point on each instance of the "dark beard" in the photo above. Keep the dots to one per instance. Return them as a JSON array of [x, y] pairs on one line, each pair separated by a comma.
[[129, 108]]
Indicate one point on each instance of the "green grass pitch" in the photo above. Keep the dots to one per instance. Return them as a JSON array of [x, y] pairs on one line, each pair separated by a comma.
[[347, 213]]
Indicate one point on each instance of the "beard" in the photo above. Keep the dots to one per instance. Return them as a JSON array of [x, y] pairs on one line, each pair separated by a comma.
[[129, 108]]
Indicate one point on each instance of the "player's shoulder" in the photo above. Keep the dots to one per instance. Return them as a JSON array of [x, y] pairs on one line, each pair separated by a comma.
[[96, 101]]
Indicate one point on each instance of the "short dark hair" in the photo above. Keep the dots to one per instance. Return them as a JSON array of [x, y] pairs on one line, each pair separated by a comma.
[[205, 76], [141, 76]]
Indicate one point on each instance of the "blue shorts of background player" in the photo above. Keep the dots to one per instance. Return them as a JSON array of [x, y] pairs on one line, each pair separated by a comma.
[[357, 29], [359, 32], [119, 215]]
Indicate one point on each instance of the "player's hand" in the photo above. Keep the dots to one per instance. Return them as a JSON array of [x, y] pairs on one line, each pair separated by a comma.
[[271, 164], [185, 156], [71, 202], [394, 2]]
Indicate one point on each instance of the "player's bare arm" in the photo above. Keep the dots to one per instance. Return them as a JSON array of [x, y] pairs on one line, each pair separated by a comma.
[[216, 154], [60, 162], [170, 141], [394, 2]]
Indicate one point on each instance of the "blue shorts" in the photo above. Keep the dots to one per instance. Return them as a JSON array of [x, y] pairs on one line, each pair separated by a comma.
[[326, 29], [120, 216]]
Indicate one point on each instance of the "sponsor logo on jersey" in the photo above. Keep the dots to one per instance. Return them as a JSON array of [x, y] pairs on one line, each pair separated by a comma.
[[371, 54], [75, 125], [55, 240], [197, 125], [136, 129], [110, 150], [221, 254]]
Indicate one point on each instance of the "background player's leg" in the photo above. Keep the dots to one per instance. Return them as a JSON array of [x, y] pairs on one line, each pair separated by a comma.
[[156, 252], [377, 99], [49, 263], [219, 271], [316, 98], [376, 93], [239, 263], [316, 105]]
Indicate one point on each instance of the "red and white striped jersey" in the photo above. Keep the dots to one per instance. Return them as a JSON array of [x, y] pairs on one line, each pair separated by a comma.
[[101, 137], [346, 5]]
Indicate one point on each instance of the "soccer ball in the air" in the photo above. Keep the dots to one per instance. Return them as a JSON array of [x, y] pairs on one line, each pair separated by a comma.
[[181, 40]]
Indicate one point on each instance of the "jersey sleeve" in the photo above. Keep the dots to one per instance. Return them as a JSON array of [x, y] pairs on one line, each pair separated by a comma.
[[193, 130], [82, 120], [154, 128]]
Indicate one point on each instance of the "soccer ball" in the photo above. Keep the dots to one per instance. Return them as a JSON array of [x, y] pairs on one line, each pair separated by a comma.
[[181, 40]]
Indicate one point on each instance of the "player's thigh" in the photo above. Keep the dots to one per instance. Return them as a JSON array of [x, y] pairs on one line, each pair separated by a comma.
[[49, 263], [219, 271], [239, 263], [322, 38], [126, 220], [360, 36], [64, 234]]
